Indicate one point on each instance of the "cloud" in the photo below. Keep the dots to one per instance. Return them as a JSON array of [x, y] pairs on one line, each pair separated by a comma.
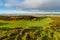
[[34, 5]]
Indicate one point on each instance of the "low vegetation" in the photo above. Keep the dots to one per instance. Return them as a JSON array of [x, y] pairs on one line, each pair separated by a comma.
[[29, 28]]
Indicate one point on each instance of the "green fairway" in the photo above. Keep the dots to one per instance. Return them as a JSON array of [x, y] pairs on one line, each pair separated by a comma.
[[26, 23]]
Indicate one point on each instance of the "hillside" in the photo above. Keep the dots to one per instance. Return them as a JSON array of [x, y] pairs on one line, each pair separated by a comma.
[[29, 28]]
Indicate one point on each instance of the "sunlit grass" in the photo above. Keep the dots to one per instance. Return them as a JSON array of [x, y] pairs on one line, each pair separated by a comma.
[[28, 23]]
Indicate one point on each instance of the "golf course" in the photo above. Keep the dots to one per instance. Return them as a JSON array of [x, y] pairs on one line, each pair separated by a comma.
[[29, 28]]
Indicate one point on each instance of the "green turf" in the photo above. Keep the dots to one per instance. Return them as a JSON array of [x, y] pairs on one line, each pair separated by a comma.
[[23, 23]]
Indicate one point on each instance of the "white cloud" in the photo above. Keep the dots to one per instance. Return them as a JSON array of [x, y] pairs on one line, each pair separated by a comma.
[[33, 4], [27, 3], [8, 5]]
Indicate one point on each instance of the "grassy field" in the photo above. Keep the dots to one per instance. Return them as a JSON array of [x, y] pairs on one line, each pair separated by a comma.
[[36, 28], [25, 23]]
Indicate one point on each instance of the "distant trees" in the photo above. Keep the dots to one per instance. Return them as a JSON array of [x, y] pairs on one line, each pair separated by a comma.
[[8, 18]]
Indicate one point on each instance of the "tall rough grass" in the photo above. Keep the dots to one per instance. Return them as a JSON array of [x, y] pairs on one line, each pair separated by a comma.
[[30, 34]]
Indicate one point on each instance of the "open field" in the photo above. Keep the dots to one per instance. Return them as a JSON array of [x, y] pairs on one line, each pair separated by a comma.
[[30, 27], [25, 23]]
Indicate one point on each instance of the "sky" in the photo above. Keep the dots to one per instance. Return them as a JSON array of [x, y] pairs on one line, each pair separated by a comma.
[[18, 6]]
